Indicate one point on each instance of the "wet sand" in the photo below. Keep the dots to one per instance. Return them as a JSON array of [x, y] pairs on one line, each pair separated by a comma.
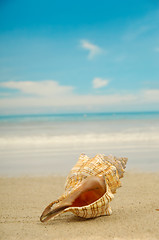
[[23, 199]]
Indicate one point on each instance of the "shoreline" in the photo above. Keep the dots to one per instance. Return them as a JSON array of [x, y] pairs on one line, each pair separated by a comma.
[[134, 207]]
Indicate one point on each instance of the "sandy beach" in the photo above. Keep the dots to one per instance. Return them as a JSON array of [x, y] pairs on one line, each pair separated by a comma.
[[79, 78], [23, 199]]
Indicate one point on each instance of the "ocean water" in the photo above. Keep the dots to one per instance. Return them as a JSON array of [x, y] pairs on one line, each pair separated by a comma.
[[51, 144]]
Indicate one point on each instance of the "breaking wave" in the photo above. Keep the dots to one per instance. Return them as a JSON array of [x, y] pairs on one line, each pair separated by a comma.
[[79, 139]]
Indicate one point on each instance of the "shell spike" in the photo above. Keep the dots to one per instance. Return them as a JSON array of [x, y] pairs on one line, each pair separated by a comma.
[[123, 162]]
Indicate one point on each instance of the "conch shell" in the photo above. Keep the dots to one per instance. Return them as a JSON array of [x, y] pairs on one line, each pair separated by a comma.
[[89, 187]]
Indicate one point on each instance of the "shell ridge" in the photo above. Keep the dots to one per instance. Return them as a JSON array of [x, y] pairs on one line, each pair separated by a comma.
[[75, 178], [77, 168], [91, 209]]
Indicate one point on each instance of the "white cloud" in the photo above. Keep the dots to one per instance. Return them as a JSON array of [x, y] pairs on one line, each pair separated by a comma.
[[151, 95], [62, 103], [93, 49], [42, 88], [99, 82], [37, 97]]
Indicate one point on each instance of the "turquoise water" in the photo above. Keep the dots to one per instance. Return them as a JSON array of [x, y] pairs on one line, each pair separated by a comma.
[[81, 116]]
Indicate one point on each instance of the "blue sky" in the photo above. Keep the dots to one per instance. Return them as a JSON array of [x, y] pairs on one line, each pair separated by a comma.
[[85, 56]]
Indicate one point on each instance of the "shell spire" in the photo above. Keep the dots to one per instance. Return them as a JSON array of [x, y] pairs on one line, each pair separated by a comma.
[[89, 188], [119, 163]]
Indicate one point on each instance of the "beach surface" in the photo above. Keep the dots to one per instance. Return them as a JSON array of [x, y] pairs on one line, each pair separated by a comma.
[[135, 215]]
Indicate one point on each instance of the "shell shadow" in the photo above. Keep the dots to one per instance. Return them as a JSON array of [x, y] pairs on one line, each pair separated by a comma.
[[68, 219]]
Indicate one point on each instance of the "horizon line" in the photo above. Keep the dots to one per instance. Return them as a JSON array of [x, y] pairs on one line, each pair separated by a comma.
[[76, 113]]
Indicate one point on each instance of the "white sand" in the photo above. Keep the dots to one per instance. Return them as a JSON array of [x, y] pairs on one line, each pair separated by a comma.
[[22, 201]]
